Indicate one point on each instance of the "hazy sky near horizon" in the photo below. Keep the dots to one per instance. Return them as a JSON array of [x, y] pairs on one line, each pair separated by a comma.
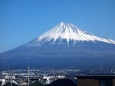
[[23, 20]]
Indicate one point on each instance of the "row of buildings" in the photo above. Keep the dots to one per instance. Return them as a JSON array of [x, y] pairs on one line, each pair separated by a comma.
[[31, 79]]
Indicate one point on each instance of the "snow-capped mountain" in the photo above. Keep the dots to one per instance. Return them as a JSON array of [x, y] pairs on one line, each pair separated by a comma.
[[69, 32], [64, 45]]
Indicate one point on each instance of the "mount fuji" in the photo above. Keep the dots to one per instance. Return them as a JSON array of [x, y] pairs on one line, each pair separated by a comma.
[[69, 32], [64, 45]]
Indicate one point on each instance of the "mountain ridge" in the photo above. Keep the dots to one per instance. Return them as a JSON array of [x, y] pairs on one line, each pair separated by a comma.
[[62, 50]]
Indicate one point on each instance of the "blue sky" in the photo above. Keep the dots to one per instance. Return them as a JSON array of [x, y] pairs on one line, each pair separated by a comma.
[[23, 20]]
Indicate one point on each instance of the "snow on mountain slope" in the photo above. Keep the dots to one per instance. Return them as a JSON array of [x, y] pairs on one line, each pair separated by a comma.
[[70, 32]]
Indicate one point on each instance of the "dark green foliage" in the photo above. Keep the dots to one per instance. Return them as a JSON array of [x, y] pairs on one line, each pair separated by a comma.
[[37, 83], [62, 82], [9, 84]]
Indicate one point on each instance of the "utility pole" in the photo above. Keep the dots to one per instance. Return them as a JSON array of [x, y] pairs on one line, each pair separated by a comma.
[[11, 74], [28, 76], [8, 73]]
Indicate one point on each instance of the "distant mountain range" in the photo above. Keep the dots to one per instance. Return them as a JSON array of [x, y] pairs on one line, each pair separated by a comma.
[[63, 46]]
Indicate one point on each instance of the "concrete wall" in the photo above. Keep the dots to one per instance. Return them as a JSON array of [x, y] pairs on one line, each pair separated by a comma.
[[87, 82]]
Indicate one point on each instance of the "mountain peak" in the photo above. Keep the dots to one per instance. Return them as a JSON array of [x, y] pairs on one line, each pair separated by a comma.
[[69, 32]]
